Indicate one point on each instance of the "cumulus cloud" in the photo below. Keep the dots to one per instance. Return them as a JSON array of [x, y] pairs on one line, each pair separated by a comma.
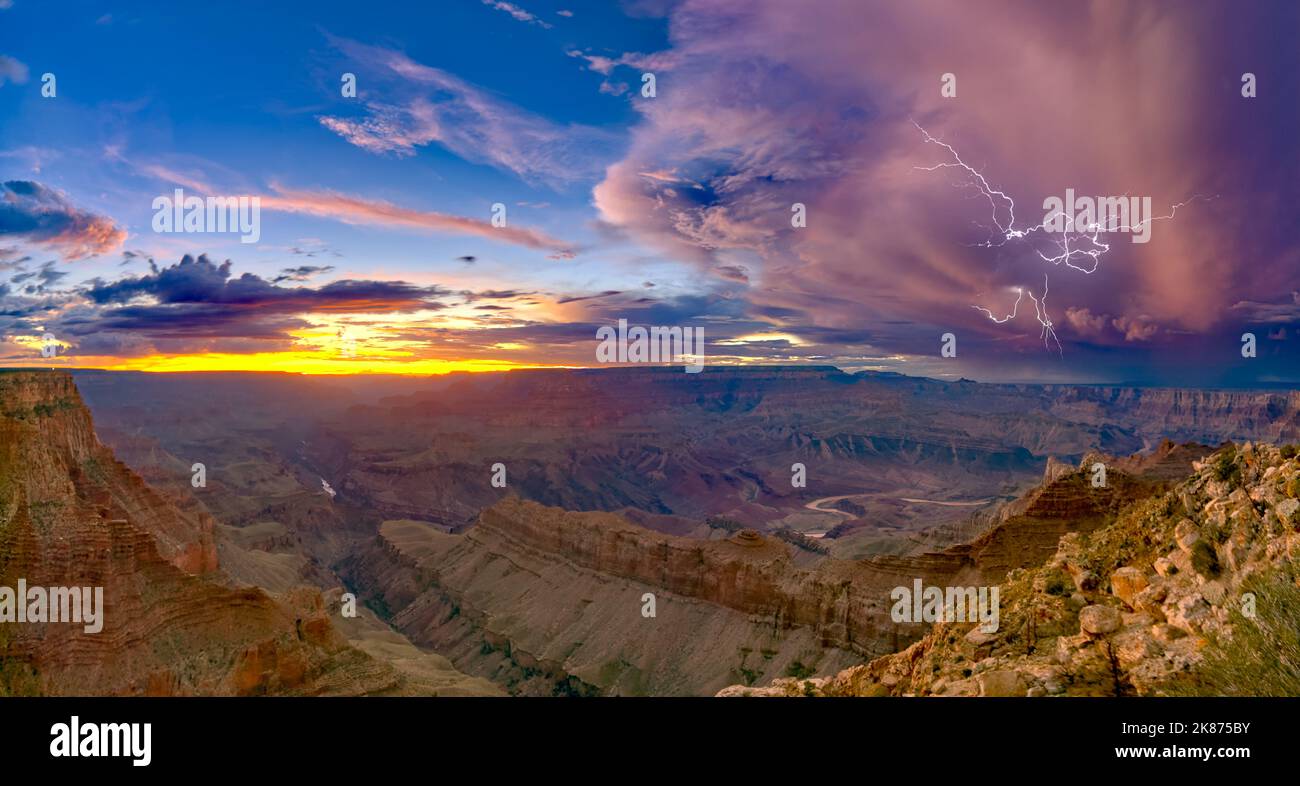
[[34, 213], [198, 305], [1086, 323], [1135, 329], [201, 281]]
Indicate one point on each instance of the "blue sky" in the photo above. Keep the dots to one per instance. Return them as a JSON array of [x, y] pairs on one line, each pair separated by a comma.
[[671, 210], [237, 107]]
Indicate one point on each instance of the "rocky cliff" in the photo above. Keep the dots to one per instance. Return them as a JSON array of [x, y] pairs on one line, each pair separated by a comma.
[[71, 515], [1193, 591], [546, 600]]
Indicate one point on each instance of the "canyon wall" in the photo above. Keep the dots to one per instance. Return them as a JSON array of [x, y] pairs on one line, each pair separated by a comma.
[[550, 601], [71, 515]]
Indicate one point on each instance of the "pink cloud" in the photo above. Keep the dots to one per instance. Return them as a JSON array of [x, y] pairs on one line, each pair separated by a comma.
[[355, 210], [34, 213], [1135, 329], [818, 108]]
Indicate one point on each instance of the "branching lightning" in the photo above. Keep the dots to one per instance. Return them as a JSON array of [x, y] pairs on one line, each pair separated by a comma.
[[1077, 248], [1040, 312], [1048, 333]]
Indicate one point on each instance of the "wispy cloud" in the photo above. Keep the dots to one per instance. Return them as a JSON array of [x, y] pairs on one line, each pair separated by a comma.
[[425, 105], [302, 273], [355, 210], [170, 175], [12, 70], [641, 62], [604, 65], [517, 12]]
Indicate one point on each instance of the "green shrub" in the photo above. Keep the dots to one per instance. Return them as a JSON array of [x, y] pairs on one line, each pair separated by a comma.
[[1057, 584], [1205, 560], [1226, 469], [1262, 658]]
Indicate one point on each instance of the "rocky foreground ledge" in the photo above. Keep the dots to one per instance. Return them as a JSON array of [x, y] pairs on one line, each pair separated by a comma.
[[1190, 592]]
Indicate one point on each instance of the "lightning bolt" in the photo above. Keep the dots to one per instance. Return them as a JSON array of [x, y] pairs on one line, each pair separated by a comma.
[[1091, 235], [1082, 245], [1020, 293], [1048, 332], [1040, 312]]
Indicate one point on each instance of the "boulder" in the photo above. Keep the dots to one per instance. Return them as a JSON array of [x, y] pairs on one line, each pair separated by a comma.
[[1099, 620], [1151, 599], [1002, 682], [1187, 612], [1186, 534], [1126, 583], [1287, 511], [1134, 646]]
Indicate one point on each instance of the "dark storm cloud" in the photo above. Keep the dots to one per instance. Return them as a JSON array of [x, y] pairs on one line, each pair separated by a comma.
[[33, 213], [200, 281], [824, 117], [198, 299]]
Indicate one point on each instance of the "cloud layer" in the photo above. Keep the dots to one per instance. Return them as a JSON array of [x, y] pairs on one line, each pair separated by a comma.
[[1106, 98]]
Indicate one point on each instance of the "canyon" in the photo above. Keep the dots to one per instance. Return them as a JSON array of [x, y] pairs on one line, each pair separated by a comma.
[[173, 623], [623, 485], [1188, 592]]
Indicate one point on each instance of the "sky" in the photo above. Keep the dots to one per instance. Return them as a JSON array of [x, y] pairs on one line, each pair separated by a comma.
[[856, 183]]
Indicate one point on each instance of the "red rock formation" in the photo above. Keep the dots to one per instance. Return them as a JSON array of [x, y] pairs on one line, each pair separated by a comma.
[[528, 579], [73, 516]]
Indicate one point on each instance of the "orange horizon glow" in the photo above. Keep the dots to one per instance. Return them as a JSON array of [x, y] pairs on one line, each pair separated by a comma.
[[309, 363]]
